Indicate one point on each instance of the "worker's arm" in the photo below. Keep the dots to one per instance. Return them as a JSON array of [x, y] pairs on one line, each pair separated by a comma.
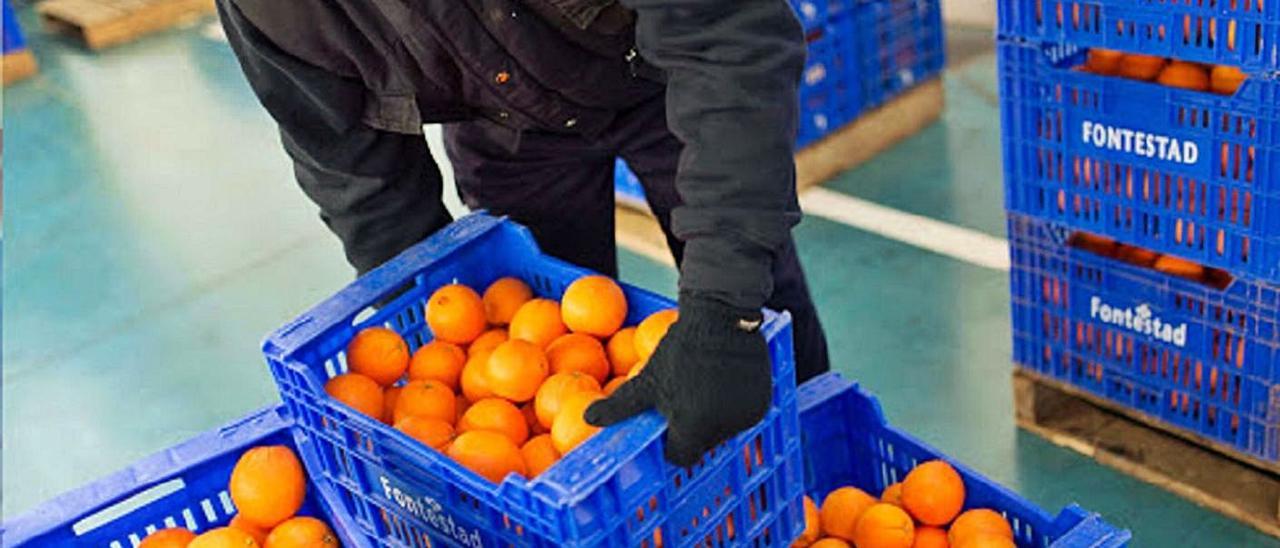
[[732, 69], [378, 191]]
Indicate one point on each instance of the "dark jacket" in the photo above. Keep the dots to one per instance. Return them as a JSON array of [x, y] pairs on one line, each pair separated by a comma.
[[351, 82]]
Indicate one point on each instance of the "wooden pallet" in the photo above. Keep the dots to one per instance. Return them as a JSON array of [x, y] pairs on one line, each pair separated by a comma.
[[18, 65], [1203, 471], [104, 23], [846, 148]]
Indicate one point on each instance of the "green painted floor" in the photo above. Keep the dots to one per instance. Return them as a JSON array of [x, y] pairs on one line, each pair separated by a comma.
[[154, 234]]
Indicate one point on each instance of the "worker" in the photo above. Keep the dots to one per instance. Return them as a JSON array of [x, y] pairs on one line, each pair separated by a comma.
[[538, 98]]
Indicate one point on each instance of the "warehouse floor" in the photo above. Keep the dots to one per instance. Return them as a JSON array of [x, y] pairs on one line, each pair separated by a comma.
[[154, 235]]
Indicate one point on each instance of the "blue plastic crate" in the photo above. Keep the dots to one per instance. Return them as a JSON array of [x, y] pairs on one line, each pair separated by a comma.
[[1189, 354], [900, 44], [627, 188], [1244, 33], [848, 441], [613, 490], [1215, 201], [11, 39], [183, 486]]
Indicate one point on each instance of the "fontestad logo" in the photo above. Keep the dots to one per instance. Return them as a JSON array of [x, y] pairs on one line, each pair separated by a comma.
[[1139, 143], [1139, 319]]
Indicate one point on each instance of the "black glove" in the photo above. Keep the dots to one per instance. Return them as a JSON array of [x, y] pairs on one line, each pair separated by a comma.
[[710, 377]]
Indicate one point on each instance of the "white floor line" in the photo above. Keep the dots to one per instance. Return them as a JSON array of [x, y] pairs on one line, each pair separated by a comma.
[[947, 239]]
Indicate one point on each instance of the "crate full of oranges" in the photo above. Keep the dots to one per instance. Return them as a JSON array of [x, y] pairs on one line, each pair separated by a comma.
[[454, 411]]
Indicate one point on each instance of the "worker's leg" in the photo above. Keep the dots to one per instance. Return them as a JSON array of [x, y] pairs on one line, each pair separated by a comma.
[[652, 153], [559, 186]]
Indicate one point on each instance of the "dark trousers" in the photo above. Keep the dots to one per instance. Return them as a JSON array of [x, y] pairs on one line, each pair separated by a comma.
[[562, 188]]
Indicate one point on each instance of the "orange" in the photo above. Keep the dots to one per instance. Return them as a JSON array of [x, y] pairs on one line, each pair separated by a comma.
[[473, 379], [503, 298], [495, 415], [539, 454], [302, 532], [175, 537], [429, 399], [979, 521], [378, 353], [433, 433], [931, 537], [812, 524], [651, 330], [531, 419], [489, 454], [1104, 61], [884, 526], [224, 537], [892, 494], [538, 321], [1136, 255], [830, 543], [1141, 67], [612, 385], [637, 368], [1098, 245], [556, 390], [569, 428], [515, 370], [841, 509], [440, 361], [985, 541], [578, 352], [268, 485], [455, 314], [622, 351], [357, 391], [593, 305], [1226, 80], [390, 397], [1183, 75], [933, 492], [487, 341], [462, 404], [1179, 267], [259, 534]]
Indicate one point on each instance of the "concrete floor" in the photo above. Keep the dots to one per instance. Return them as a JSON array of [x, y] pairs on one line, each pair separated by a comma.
[[154, 234]]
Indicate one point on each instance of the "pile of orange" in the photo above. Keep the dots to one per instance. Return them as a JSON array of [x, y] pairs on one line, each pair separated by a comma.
[[268, 487], [1146, 258], [922, 511], [503, 386], [1220, 79]]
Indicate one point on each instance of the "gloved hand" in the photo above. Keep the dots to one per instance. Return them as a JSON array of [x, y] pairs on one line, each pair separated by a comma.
[[710, 377]]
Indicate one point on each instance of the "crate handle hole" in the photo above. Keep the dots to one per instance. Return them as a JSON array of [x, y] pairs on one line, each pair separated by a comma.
[[1140, 257], [127, 506]]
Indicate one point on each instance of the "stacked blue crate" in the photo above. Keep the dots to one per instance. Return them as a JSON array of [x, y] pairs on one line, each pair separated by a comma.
[[862, 54], [1189, 174], [11, 40]]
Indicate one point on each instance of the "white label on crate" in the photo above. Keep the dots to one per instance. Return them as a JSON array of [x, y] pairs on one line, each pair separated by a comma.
[[1140, 320], [430, 511], [1139, 143]]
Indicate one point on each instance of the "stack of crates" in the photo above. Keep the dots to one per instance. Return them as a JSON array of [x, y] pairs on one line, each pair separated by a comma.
[[1194, 175], [862, 54]]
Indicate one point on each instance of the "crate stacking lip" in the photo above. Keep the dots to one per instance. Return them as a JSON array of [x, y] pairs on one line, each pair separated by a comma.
[[615, 489], [848, 441], [1188, 173], [1201, 358], [1243, 33], [182, 486]]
